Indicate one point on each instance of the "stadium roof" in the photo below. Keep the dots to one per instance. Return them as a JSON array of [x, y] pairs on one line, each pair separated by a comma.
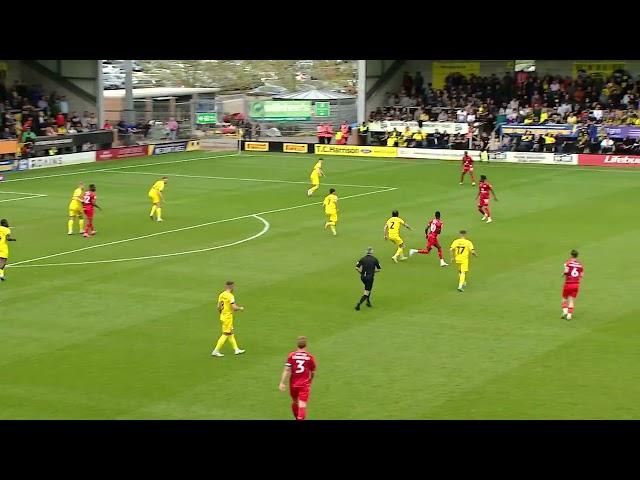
[[314, 95], [159, 92]]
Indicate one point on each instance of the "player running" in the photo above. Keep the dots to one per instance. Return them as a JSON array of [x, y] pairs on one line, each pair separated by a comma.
[[75, 209], [485, 190], [5, 236], [573, 271], [392, 232], [299, 370], [156, 196], [316, 173], [460, 250], [467, 167], [226, 306], [433, 229], [88, 202], [330, 204]]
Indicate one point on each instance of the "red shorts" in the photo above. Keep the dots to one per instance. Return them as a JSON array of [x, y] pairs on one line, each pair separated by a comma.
[[570, 290], [89, 212], [467, 169], [432, 241], [483, 202], [300, 393]]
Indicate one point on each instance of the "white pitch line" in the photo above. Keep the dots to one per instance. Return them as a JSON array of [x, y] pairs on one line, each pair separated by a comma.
[[191, 227], [21, 193], [90, 170], [37, 195], [253, 179], [264, 230]]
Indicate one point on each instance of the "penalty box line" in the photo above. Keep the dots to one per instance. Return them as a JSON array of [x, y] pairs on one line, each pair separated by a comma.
[[191, 227]]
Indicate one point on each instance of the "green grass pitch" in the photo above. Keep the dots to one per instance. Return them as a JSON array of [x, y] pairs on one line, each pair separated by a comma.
[[103, 335]]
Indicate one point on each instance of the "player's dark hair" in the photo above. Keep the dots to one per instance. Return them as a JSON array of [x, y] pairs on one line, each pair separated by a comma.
[[395, 213], [302, 342], [574, 252], [483, 177], [228, 283], [332, 190], [437, 214], [4, 222], [463, 232], [92, 187]]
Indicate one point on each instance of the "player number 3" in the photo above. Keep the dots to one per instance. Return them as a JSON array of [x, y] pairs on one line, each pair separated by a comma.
[[300, 368]]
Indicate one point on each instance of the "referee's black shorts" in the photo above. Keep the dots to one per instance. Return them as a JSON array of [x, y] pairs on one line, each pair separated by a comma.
[[368, 282]]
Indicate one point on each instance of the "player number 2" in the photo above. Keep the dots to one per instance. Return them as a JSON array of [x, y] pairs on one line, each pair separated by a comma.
[[300, 368], [392, 224]]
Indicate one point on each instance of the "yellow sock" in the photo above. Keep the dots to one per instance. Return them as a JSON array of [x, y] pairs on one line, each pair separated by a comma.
[[333, 229], [1, 272], [221, 340], [462, 278], [153, 210], [232, 341], [399, 252], [81, 224], [70, 226], [159, 212], [314, 188]]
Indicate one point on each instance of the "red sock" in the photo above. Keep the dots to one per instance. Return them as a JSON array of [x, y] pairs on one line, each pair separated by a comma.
[[302, 413], [481, 210], [440, 253], [564, 304], [571, 310], [294, 408], [424, 251], [486, 209]]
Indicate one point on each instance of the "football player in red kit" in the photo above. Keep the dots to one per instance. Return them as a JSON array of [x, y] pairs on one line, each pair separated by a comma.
[[299, 369], [485, 190], [573, 271], [88, 202], [433, 229], [467, 167]]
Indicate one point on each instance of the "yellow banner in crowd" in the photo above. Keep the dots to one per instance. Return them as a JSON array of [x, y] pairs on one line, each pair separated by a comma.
[[356, 151], [440, 71], [295, 148], [256, 146], [605, 69]]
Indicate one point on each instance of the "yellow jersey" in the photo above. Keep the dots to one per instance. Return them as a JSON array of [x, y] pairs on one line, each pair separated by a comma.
[[316, 170], [462, 249], [157, 187], [330, 203], [227, 300], [4, 245], [393, 226], [76, 199]]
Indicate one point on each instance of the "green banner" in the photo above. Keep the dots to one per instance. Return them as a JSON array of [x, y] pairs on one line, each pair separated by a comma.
[[206, 118], [323, 109], [277, 110]]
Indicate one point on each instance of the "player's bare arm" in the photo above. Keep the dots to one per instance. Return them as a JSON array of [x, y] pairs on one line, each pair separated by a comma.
[[406, 225], [386, 236], [220, 307], [236, 307], [9, 238], [473, 252], [285, 377]]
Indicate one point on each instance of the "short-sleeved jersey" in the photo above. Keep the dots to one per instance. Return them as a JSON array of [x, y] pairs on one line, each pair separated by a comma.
[[369, 264], [330, 203], [434, 227], [462, 249], [4, 231], [467, 161], [573, 271], [484, 188], [227, 300], [158, 186], [89, 199], [316, 169], [76, 198], [393, 226], [302, 365]]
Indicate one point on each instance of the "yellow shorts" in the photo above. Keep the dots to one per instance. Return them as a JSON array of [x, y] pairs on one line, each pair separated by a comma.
[[397, 240], [463, 266], [333, 217], [76, 212], [315, 181], [155, 198], [4, 253], [227, 325]]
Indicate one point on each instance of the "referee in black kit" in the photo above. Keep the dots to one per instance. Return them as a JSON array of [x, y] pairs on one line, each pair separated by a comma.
[[367, 266]]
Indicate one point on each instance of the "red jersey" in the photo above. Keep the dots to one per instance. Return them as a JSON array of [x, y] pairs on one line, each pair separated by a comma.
[[573, 271], [302, 365], [467, 161], [484, 188], [89, 199], [434, 227]]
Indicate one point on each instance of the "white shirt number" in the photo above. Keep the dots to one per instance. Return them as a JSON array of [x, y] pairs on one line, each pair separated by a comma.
[[300, 368], [575, 272]]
